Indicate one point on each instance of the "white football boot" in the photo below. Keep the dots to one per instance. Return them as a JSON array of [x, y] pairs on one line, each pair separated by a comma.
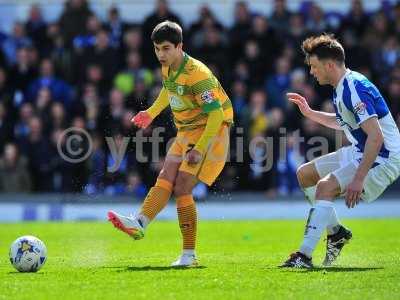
[[129, 225], [186, 260]]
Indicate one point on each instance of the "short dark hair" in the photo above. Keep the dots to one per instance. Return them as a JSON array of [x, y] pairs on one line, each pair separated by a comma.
[[167, 31], [324, 46]]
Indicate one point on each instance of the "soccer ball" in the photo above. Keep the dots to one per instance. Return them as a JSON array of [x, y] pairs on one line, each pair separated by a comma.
[[28, 254]]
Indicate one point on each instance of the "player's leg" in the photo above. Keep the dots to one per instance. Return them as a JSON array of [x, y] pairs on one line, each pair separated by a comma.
[[310, 173], [308, 177], [206, 171], [156, 199], [320, 216], [187, 216], [158, 196]]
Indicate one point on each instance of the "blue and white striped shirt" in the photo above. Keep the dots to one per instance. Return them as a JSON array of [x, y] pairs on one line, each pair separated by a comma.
[[356, 99]]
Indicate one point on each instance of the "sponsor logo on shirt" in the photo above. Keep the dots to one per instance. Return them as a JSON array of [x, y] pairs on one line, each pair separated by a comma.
[[176, 103], [359, 108], [207, 96]]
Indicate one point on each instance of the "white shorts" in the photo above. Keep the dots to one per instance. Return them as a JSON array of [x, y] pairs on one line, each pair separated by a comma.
[[343, 165]]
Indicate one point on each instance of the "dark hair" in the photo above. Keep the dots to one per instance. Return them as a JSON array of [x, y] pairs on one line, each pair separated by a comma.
[[167, 31], [324, 46]]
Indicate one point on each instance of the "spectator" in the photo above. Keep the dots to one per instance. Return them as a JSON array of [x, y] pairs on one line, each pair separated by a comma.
[[115, 178], [21, 129], [94, 76], [112, 115], [254, 118], [377, 33], [17, 40], [134, 186], [127, 80], [5, 90], [132, 42], [37, 149], [385, 58], [89, 106], [394, 96], [277, 84], [255, 60], [297, 32], [22, 72], [43, 103], [60, 90], [316, 23], [115, 26], [88, 38], [14, 176], [36, 27], [73, 19], [267, 39], [198, 30], [213, 50], [101, 54], [280, 16], [160, 14], [356, 19], [6, 127], [97, 167], [240, 29], [287, 165], [58, 118], [239, 99]]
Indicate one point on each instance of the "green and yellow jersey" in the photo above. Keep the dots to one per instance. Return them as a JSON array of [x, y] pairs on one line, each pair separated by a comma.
[[194, 95], [193, 91]]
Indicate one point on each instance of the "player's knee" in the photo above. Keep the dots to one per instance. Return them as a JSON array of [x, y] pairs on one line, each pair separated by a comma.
[[326, 189], [166, 175], [181, 186], [301, 174], [305, 176]]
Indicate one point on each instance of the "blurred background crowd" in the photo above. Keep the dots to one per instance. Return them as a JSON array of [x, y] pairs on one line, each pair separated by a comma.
[[95, 74]]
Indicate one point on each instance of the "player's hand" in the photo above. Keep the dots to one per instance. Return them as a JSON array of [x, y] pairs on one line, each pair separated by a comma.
[[353, 192], [193, 157], [301, 102], [142, 119]]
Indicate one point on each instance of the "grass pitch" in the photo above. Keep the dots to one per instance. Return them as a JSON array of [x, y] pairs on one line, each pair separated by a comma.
[[238, 261]]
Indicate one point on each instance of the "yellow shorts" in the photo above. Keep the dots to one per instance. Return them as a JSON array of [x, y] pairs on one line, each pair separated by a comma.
[[213, 160]]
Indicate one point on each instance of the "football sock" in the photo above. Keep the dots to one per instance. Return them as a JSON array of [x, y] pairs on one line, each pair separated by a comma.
[[156, 199], [188, 252], [318, 219], [334, 224], [187, 217], [309, 192]]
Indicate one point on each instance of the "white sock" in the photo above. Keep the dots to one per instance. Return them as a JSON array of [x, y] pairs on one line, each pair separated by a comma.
[[143, 220], [309, 192], [334, 224], [318, 219], [188, 252]]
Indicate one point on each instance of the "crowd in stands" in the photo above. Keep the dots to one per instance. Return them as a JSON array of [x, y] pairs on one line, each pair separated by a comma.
[[95, 74]]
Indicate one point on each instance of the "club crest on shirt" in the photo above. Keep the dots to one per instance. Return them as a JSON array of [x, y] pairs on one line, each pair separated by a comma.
[[179, 90], [359, 108], [207, 96]]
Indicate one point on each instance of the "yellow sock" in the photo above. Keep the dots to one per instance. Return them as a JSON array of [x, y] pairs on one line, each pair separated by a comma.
[[156, 199], [187, 216]]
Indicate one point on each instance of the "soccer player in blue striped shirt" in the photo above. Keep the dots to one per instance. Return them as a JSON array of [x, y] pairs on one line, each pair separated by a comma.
[[361, 171]]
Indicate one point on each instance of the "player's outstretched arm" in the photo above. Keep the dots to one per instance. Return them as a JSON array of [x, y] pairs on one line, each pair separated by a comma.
[[324, 118], [144, 118]]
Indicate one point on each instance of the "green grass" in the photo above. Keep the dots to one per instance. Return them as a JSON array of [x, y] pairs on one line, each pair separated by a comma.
[[238, 259]]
